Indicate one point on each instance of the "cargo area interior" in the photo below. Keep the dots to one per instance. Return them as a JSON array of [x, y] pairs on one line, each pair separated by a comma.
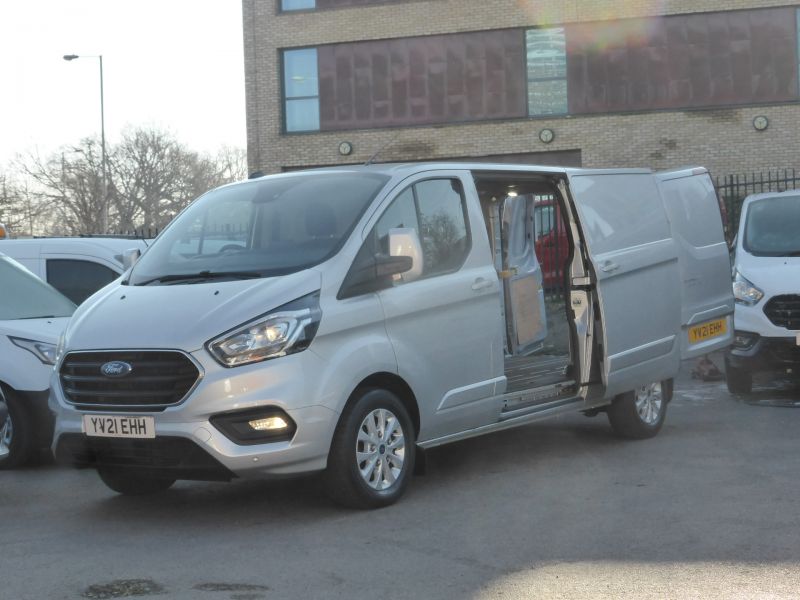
[[532, 251]]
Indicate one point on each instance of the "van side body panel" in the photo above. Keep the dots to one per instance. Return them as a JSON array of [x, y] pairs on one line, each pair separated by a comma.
[[636, 275], [693, 209], [446, 332]]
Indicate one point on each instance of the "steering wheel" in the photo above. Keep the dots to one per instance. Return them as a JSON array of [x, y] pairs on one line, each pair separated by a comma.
[[232, 248]]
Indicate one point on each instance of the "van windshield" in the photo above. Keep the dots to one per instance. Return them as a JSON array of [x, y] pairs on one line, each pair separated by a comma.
[[25, 296], [773, 227], [264, 228]]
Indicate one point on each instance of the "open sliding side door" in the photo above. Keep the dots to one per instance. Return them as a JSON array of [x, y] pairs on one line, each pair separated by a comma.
[[635, 275], [522, 278]]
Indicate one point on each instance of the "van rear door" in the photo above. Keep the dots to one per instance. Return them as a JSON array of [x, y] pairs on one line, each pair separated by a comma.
[[635, 275], [706, 295]]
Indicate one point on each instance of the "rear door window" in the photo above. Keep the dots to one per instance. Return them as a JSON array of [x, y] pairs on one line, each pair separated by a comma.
[[78, 279]]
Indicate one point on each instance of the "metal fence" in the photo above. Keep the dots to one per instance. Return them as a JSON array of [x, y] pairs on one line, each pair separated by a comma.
[[733, 189]]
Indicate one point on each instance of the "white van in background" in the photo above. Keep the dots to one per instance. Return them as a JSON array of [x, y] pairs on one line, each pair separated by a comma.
[[766, 285], [32, 317], [76, 267], [337, 320]]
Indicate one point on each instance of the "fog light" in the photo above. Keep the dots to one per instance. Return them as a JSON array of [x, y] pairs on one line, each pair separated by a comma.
[[255, 425], [268, 424], [744, 340]]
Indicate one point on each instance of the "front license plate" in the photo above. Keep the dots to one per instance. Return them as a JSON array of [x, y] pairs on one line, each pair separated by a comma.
[[706, 331], [119, 427]]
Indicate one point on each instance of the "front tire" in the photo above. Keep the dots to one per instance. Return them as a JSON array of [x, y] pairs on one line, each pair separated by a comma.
[[739, 381], [129, 482], [372, 454], [640, 414], [17, 435]]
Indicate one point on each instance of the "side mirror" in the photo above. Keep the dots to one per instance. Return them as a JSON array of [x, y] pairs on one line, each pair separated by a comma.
[[130, 257], [372, 273], [404, 243]]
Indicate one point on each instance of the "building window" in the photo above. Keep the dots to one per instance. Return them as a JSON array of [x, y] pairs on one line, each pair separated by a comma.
[[290, 5], [547, 71], [301, 90]]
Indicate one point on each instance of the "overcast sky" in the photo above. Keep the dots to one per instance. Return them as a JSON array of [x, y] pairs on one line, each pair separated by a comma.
[[171, 64]]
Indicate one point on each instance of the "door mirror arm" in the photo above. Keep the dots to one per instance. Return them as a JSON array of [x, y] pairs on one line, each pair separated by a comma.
[[375, 274]]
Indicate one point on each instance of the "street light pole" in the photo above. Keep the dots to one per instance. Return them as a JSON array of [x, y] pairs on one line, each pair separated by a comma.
[[69, 57]]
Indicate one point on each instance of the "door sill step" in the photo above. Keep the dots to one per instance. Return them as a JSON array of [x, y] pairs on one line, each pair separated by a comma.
[[544, 395]]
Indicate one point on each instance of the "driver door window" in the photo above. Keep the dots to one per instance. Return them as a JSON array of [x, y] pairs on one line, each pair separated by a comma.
[[436, 210]]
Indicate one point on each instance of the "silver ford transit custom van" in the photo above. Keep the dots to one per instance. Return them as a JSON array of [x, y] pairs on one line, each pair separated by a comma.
[[341, 320]]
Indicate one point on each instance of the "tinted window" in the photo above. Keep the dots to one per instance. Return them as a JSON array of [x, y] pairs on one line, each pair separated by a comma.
[[436, 210], [772, 227], [78, 279], [547, 71], [25, 296], [266, 227]]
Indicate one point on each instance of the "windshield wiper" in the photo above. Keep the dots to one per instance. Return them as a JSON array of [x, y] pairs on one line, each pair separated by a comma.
[[39, 317], [203, 276]]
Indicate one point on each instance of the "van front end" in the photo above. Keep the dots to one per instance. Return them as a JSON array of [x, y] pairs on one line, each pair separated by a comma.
[[182, 415]]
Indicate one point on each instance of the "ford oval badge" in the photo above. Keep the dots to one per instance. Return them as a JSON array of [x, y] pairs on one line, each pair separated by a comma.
[[116, 368]]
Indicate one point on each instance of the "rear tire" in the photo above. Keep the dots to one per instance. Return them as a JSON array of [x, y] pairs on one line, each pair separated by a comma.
[[640, 414], [739, 381], [372, 454], [18, 434], [133, 483]]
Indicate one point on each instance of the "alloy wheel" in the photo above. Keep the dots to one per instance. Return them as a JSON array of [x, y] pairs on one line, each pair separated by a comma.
[[649, 399], [380, 449]]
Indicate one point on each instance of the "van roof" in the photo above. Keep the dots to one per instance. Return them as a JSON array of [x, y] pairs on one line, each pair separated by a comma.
[[762, 196], [402, 170], [114, 244]]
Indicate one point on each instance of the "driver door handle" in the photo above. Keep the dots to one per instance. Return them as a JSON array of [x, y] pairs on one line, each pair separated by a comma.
[[608, 266], [481, 283]]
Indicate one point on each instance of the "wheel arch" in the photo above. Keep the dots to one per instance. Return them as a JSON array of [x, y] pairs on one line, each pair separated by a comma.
[[394, 384]]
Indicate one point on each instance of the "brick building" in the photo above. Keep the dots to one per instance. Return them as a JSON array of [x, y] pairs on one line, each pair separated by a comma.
[[597, 83]]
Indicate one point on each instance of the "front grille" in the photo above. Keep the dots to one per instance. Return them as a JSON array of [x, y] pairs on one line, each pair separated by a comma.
[[784, 351], [175, 457], [784, 311], [157, 379]]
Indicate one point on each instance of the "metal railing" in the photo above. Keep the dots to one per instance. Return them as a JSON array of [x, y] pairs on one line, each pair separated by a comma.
[[733, 189]]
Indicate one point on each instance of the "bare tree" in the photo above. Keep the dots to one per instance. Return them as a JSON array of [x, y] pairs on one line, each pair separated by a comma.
[[68, 187], [18, 209], [151, 177]]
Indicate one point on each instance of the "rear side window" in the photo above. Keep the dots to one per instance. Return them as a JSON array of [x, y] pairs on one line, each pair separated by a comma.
[[78, 279], [694, 209], [437, 210], [619, 211]]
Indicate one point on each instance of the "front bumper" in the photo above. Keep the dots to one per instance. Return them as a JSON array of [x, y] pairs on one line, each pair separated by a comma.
[[185, 427], [768, 354]]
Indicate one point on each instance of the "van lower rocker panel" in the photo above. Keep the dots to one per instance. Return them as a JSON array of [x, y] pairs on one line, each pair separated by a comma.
[[518, 418]]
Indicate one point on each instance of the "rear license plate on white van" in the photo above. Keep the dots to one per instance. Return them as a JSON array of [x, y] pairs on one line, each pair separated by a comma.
[[707, 331], [119, 427]]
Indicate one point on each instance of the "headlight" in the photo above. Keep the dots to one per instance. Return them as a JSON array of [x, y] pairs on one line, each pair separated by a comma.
[[286, 330], [44, 351], [61, 343], [745, 292]]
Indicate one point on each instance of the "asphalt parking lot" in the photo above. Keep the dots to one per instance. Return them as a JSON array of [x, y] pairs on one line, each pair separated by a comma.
[[708, 509]]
